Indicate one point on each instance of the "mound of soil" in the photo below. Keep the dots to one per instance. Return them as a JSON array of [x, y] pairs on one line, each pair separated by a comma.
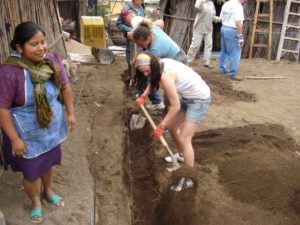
[[253, 166], [222, 89], [244, 174], [246, 154]]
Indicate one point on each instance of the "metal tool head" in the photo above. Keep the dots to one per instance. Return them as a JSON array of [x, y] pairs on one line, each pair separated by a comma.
[[137, 121]]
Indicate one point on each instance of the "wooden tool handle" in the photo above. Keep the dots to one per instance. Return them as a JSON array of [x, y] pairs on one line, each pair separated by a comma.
[[162, 139]]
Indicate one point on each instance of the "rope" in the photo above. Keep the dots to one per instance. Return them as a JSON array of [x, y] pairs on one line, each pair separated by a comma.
[[93, 222], [129, 163]]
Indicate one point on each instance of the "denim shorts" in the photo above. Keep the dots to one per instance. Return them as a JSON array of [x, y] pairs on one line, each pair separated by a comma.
[[195, 109]]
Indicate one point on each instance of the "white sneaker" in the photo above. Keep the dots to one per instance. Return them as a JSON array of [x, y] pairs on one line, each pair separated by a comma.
[[177, 157], [151, 106], [166, 133], [183, 184]]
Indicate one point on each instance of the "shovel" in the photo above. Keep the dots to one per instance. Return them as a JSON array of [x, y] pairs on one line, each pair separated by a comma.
[[163, 141], [137, 122]]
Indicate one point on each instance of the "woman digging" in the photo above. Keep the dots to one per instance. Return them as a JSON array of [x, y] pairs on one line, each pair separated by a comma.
[[189, 98]]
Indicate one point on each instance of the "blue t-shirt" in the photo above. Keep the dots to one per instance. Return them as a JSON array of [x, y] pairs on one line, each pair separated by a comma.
[[163, 46]]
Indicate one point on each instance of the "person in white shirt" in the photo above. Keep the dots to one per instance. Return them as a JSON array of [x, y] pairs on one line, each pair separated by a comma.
[[232, 16], [202, 30], [189, 98], [133, 21]]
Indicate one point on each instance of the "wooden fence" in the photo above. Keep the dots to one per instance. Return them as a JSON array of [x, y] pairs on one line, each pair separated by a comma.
[[179, 18], [44, 12]]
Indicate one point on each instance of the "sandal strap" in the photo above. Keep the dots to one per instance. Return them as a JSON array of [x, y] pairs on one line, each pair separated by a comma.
[[36, 215], [35, 212], [55, 200]]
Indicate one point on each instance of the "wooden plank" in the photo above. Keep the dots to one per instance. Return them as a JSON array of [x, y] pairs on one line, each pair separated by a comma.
[[265, 78], [294, 14], [293, 26], [290, 51], [270, 30], [260, 45], [264, 15], [291, 38]]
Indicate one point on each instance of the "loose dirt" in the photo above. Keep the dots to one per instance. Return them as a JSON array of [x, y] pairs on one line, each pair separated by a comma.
[[246, 153]]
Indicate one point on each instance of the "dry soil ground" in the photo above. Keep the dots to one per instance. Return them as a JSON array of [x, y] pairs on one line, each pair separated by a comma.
[[247, 161]]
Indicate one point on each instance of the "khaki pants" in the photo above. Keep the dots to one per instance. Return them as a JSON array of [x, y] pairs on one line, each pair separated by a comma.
[[196, 44]]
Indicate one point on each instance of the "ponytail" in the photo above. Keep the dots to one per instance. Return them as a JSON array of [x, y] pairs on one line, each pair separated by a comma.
[[143, 31]]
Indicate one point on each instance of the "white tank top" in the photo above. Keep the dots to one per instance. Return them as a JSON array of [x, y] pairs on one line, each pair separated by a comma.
[[189, 84]]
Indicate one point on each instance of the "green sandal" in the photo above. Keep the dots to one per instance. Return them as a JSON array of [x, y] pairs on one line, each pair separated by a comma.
[[55, 200], [35, 216]]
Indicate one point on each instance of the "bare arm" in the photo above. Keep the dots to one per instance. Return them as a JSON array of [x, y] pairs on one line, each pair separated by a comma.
[[159, 23], [147, 91], [239, 27], [130, 35], [18, 145], [216, 19], [67, 96], [168, 83]]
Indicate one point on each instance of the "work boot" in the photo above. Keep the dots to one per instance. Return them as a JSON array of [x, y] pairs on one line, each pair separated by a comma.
[[235, 77], [153, 107], [208, 66], [166, 133]]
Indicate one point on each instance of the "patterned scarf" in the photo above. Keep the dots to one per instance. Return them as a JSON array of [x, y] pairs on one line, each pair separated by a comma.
[[39, 74]]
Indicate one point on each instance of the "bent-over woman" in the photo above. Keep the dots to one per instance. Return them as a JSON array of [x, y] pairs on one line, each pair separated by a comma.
[[153, 39], [189, 98]]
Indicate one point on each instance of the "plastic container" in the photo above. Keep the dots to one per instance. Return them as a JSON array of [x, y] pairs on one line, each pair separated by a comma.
[[92, 31]]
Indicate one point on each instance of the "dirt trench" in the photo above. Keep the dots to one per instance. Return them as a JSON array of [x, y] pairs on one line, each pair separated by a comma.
[[235, 175], [244, 174], [246, 153]]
